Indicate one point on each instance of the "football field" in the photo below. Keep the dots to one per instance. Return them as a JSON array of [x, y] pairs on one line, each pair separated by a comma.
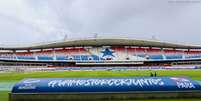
[[7, 80]]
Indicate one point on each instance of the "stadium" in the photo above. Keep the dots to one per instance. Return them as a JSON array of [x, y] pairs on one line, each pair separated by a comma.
[[94, 57], [95, 53]]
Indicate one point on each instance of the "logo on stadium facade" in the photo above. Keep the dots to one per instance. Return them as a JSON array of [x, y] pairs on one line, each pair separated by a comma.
[[107, 52]]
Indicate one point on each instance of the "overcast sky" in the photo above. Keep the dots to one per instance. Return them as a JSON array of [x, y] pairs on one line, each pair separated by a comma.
[[33, 21]]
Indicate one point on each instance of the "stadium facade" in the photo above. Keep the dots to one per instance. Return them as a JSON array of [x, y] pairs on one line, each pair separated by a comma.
[[100, 52]]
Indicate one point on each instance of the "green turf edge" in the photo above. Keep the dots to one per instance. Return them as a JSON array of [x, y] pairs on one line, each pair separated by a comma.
[[4, 95]]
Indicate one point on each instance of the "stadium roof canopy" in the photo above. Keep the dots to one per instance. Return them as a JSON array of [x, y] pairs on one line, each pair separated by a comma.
[[100, 42]]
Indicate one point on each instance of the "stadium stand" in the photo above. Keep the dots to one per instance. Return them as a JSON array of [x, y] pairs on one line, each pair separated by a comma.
[[99, 53], [104, 52]]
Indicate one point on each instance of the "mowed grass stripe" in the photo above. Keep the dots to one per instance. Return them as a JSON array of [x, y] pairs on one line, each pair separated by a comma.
[[195, 74]]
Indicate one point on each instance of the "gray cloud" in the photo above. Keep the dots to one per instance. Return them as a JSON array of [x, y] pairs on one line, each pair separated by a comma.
[[47, 20]]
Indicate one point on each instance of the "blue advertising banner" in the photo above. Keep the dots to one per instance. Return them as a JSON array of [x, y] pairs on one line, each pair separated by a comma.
[[70, 85]]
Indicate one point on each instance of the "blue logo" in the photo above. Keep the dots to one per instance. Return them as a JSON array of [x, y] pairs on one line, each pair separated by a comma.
[[107, 52]]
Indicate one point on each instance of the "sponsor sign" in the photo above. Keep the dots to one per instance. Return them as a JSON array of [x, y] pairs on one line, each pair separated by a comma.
[[105, 84]]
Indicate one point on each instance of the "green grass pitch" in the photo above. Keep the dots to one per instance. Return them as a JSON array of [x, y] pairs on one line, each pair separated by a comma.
[[15, 77]]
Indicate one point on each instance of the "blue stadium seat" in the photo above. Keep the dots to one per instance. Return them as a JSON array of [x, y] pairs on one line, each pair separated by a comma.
[[26, 57], [61, 57], [84, 57], [141, 55], [45, 58], [156, 57], [5, 57], [193, 56], [102, 58], [95, 57], [76, 57], [173, 56]]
